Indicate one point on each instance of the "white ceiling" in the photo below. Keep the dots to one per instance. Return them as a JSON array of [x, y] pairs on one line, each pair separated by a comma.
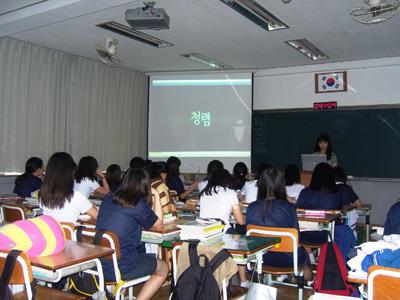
[[208, 27]]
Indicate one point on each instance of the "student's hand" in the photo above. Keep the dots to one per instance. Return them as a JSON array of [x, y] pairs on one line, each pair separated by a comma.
[[99, 173]]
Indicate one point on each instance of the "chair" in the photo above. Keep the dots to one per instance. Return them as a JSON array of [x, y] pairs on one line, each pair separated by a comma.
[[175, 253], [13, 212], [22, 275], [110, 240], [68, 229], [289, 243], [383, 283]]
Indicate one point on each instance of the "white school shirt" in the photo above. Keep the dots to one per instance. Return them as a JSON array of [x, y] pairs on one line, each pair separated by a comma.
[[250, 190], [294, 190], [218, 205], [201, 185], [86, 186], [71, 210]]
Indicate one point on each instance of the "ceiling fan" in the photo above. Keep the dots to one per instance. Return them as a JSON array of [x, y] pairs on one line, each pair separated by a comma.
[[375, 11], [108, 54]]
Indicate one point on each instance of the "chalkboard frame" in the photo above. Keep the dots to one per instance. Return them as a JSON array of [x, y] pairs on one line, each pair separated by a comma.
[[361, 110]]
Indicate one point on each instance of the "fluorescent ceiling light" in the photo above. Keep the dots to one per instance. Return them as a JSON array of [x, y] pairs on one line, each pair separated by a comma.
[[307, 48], [256, 13], [134, 34], [207, 61]]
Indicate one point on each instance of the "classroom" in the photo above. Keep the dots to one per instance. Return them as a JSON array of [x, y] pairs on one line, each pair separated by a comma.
[[202, 81]]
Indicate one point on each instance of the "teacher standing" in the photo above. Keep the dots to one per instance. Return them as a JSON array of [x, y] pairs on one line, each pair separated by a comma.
[[323, 145]]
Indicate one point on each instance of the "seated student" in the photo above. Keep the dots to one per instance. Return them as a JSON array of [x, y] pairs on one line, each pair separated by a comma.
[[158, 174], [57, 196], [248, 194], [392, 222], [86, 175], [322, 194], [113, 177], [137, 163], [31, 180], [125, 213], [349, 197], [212, 166], [273, 210], [174, 182], [292, 181], [240, 172], [218, 201]]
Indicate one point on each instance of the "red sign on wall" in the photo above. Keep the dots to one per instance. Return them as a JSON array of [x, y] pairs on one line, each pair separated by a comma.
[[325, 105]]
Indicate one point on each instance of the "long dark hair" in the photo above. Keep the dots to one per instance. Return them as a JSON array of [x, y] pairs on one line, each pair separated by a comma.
[[58, 183], [213, 166], [340, 174], [31, 165], [323, 179], [173, 166], [271, 185], [114, 175], [292, 174], [220, 178], [134, 187], [137, 162], [87, 167], [240, 171], [260, 169], [323, 137], [156, 168]]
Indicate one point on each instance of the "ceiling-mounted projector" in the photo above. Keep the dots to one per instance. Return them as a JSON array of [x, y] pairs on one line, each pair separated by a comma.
[[147, 17]]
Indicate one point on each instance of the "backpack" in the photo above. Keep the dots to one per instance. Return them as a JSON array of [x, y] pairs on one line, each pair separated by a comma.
[[198, 282], [83, 283], [332, 272], [5, 291]]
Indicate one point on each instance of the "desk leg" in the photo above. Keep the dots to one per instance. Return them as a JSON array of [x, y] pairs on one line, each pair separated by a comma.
[[100, 274], [259, 265], [367, 224]]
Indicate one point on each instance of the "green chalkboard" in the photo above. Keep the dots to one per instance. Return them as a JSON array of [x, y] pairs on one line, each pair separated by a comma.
[[365, 140]]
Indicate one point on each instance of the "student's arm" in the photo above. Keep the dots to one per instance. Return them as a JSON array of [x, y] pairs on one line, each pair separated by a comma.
[[93, 212], [102, 190], [237, 213], [186, 193]]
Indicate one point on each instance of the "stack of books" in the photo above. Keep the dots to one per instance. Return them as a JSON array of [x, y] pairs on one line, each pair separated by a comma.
[[208, 231], [168, 218], [158, 235]]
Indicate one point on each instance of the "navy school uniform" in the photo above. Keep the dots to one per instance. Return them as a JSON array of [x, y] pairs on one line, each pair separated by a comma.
[[280, 213], [127, 223], [29, 184], [317, 200], [347, 194], [175, 183], [392, 222]]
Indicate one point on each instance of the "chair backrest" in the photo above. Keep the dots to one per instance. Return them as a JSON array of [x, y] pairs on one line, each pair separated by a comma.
[[109, 240], [22, 273], [68, 229], [13, 212], [383, 283], [289, 239]]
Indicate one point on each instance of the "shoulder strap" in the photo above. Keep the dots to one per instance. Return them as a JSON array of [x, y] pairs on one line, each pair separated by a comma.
[[218, 259], [193, 255], [97, 237], [9, 266], [79, 233]]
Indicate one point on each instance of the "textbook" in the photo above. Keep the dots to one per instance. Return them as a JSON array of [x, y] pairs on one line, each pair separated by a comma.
[[200, 228], [168, 218]]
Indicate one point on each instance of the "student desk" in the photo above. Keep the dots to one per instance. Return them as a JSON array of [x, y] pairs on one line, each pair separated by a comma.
[[365, 211], [328, 220], [243, 248], [74, 258]]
